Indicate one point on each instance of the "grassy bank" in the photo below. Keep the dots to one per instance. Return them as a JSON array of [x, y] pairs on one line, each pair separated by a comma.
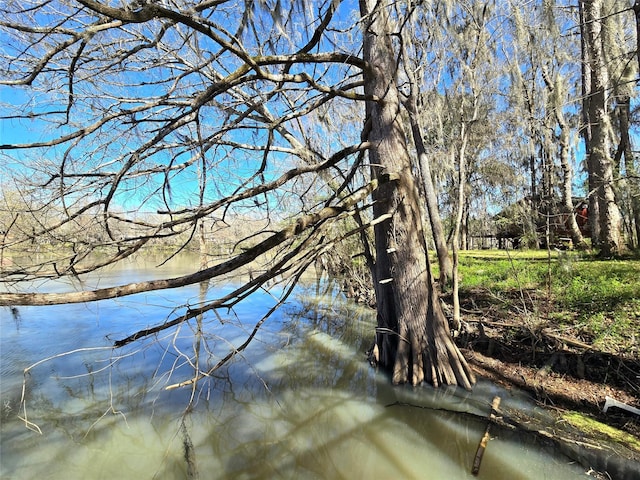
[[593, 301]]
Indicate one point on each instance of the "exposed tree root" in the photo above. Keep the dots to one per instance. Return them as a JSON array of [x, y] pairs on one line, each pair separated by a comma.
[[428, 353]]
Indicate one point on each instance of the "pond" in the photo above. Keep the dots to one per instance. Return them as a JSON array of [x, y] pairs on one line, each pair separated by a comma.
[[299, 402]]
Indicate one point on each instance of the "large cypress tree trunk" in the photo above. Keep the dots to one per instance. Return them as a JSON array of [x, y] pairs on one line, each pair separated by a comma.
[[594, 224], [413, 338]]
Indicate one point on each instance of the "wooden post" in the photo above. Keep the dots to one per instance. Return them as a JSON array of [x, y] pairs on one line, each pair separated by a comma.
[[485, 438]]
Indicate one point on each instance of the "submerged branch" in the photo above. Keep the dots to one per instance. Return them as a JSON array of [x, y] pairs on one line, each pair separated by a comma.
[[580, 446], [482, 446], [244, 345]]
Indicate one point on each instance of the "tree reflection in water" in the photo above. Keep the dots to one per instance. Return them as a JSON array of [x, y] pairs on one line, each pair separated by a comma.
[[300, 401]]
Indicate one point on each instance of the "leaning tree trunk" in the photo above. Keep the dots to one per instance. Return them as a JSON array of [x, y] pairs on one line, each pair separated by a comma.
[[439, 238], [601, 163], [567, 190], [413, 338]]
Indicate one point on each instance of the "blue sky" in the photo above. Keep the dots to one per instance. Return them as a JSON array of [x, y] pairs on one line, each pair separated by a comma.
[[230, 165]]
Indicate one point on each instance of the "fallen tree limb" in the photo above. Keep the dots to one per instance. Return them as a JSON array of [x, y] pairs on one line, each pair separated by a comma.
[[526, 423], [591, 452], [303, 222]]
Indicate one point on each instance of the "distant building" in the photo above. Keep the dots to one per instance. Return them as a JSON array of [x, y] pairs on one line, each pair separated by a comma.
[[525, 222]]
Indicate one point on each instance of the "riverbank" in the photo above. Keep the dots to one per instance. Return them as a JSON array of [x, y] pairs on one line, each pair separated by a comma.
[[564, 328], [607, 442]]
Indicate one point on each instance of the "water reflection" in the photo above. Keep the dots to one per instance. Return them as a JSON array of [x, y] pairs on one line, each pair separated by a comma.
[[299, 402]]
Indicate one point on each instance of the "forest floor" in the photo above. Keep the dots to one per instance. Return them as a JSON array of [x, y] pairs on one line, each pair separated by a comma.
[[566, 330], [559, 374]]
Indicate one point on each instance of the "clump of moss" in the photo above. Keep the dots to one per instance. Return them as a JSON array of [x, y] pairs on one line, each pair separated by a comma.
[[596, 429]]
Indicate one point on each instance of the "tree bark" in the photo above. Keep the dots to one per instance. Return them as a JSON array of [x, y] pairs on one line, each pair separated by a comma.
[[413, 338], [609, 220], [594, 224], [437, 230], [636, 9]]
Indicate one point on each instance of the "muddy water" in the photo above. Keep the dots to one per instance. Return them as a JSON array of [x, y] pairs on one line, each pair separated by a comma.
[[299, 402]]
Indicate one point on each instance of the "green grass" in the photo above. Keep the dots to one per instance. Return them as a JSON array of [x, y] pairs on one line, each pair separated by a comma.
[[594, 299]]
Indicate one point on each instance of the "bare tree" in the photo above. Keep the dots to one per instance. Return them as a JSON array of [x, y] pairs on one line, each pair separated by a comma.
[[200, 112]]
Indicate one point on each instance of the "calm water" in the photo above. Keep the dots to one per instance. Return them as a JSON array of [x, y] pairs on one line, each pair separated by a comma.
[[299, 402]]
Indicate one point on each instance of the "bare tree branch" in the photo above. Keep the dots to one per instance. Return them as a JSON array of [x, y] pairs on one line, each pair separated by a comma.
[[304, 222]]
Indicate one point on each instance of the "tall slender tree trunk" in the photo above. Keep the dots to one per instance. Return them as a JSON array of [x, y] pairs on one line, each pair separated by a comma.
[[534, 136], [437, 230], [424, 167], [600, 162], [626, 149], [567, 191], [455, 242], [461, 160], [413, 338], [636, 9], [567, 172], [594, 224]]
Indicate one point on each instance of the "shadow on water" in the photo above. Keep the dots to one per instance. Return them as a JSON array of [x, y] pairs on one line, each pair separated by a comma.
[[329, 433], [300, 402]]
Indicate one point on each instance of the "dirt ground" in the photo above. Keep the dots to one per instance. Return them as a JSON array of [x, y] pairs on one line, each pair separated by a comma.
[[561, 373]]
